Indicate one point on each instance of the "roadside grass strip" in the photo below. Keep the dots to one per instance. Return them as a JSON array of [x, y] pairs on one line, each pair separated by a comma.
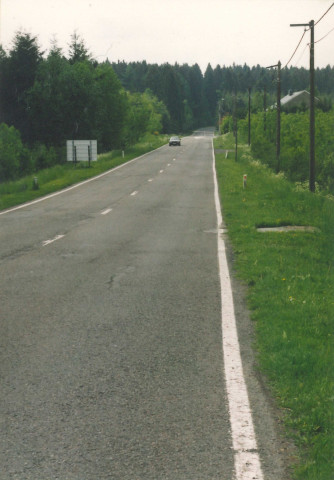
[[62, 176], [290, 278]]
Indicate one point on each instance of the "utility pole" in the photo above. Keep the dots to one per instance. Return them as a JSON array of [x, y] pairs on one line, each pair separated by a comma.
[[312, 115], [249, 116], [235, 124], [220, 112], [312, 112], [265, 110], [278, 122], [278, 130]]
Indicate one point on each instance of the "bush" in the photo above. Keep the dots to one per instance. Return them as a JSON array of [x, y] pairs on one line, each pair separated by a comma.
[[43, 157], [295, 141], [264, 150], [326, 173], [11, 151]]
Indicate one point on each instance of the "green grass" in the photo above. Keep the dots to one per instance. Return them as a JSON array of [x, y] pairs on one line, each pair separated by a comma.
[[62, 176], [290, 278]]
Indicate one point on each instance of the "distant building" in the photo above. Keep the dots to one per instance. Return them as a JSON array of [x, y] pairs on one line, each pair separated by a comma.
[[296, 100]]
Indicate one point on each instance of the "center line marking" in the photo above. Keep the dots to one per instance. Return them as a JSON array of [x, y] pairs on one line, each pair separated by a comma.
[[108, 210], [47, 242], [150, 180], [169, 164], [161, 171], [134, 193]]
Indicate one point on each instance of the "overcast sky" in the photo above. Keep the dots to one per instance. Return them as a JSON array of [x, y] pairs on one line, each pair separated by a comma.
[[184, 31]]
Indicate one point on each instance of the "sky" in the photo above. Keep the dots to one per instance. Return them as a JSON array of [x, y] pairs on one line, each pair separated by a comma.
[[184, 31]]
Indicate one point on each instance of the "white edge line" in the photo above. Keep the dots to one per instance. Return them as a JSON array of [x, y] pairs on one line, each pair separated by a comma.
[[72, 187], [246, 458]]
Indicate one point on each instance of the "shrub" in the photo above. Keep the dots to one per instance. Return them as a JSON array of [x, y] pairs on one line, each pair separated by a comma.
[[11, 150], [326, 173], [43, 157]]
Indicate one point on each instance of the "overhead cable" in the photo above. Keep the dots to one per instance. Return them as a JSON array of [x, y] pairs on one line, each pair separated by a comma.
[[302, 54], [324, 14], [295, 49], [324, 36]]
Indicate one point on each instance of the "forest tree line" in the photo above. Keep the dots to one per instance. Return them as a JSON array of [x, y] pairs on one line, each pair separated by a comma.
[[192, 98], [48, 98]]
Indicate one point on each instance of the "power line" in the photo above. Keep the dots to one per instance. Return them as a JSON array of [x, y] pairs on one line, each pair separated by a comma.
[[300, 41], [306, 30], [324, 14], [302, 54], [324, 35]]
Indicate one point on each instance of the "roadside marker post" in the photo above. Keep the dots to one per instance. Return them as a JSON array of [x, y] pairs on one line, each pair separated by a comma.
[[244, 181]]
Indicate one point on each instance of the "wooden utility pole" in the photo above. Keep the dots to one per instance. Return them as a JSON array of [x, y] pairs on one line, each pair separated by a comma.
[[235, 125], [265, 110], [249, 116], [312, 115], [278, 129], [278, 122]]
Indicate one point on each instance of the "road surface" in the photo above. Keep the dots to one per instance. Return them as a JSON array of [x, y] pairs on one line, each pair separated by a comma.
[[111, 357]]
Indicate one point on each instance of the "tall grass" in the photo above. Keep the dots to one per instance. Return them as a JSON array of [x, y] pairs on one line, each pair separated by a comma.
[[290, 278]]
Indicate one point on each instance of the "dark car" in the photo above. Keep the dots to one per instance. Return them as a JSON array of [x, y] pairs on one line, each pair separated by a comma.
[[174, 141]]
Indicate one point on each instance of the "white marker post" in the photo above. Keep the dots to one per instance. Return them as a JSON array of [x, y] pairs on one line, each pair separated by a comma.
[[245, 181]]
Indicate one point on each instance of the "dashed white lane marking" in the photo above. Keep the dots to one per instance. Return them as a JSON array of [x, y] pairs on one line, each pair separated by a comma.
[[169, 164], [174, 159], [106, 211], [150, 180], [246, 458], [68, 189], [134, 193], [161, 171], [47, 242]]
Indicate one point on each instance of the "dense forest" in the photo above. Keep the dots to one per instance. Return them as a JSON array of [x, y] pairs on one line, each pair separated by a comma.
[[47, 98], [192, 98]]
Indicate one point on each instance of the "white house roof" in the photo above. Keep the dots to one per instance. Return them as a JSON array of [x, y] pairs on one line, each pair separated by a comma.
[[296, 98]]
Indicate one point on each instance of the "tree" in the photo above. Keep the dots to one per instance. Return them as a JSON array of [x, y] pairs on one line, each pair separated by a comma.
[[109, 108], [172, 97], [153, 80], [3, 66], [77, 50], [18, 77], [48, 102], [210, 93], [196, 101]]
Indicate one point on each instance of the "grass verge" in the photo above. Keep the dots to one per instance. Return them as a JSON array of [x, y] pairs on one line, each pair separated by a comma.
[[290, 279], [61, 176]]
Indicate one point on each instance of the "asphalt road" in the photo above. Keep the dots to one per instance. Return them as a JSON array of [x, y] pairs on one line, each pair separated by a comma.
[[111, 361]]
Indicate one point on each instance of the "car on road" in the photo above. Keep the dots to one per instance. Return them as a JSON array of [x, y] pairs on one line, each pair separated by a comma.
[[175, 141]]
